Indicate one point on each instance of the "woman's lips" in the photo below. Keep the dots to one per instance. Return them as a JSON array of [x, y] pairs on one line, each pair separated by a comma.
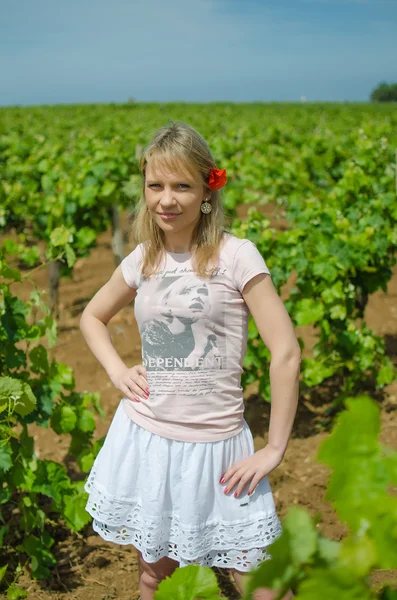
[[169, 216]]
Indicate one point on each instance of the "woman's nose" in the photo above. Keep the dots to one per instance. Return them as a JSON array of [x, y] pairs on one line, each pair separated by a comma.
[[167, 197]]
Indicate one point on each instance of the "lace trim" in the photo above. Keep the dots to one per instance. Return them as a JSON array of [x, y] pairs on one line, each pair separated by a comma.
[[242, 560], [155, 537]]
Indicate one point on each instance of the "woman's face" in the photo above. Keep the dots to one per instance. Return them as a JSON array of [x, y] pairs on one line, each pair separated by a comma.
[[174, 193]]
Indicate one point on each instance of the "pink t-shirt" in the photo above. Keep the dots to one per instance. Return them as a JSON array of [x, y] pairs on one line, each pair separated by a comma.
[[194, 338]]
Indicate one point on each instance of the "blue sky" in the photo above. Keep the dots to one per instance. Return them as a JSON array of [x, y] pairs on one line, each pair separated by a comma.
[[79, 51]]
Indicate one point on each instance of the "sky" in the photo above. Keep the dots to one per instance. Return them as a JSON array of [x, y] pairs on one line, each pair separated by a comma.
[[88, 51]]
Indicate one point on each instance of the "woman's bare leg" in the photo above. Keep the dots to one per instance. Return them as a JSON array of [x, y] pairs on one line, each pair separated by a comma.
[[260, 593], [150, 574]]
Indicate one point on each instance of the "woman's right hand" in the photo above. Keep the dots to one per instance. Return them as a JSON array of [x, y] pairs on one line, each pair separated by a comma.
[[132, 382]]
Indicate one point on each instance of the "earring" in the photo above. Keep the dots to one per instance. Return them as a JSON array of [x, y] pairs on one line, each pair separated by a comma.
[[206, 207]]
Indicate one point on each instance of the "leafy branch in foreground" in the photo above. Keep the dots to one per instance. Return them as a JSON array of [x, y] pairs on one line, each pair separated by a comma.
[[359, 487]]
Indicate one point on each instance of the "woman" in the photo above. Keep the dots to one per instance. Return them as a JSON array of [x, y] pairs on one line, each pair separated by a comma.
[[177, 476]]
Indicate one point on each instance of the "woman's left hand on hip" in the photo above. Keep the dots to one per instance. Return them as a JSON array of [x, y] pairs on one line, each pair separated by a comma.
[[251, 470]]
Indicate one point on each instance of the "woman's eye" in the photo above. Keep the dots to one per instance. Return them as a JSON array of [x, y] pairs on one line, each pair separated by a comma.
[[185, 185]]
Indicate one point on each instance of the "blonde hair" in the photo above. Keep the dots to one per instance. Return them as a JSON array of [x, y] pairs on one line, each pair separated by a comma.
[[179, 145]]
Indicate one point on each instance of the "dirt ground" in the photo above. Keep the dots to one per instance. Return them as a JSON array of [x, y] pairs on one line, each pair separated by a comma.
[[91, 569]]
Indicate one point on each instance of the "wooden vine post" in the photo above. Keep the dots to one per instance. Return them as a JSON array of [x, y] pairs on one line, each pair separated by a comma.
[[117, 235], [54, 276]]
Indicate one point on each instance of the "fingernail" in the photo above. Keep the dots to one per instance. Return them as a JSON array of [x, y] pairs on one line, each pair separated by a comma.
[[221, 480], [136, 400], [147, 390], [225, 491], [249, 494], [235, 494]]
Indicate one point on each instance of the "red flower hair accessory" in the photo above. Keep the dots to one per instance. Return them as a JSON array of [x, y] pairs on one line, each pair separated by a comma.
[[217, 179]]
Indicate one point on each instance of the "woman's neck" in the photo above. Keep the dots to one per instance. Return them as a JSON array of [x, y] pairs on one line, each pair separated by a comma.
[[177, 245]]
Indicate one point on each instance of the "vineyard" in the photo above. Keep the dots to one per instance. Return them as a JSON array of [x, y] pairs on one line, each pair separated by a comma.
[[314, 186]]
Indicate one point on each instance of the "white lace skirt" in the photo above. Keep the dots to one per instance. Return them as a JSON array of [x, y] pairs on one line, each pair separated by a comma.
[[164, 497]]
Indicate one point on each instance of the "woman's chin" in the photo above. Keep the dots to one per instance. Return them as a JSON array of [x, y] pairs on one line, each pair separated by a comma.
[[166, 223]]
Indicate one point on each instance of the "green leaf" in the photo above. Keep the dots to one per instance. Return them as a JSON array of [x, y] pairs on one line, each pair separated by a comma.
[[279, 572], [50, 330], [47, 184], [86, 236], [14, 592], [3, 571], [52, 480], [338, 311], [108, 188], [325, 270], [26, 449], [386, 373], [328, 550], [388, 594], [384, 531], [314, 371], [33, 333], [22, 477], [329, 585], [65, 375], [44, 165], [68, 419], [60, 236], [63, 419], [303, 534], [39, 360], [88, 195], [360, 479], [358, 554], [70, 255], [86, 460], [41, 558], [308, 311], [3, 532], [94, 397], [27, 402], [99, 170], [253, 332], [9, 388], [21, 397], [5, 459], [189, 583], [75, 513], [10, 273], [86, 421], [354, 434], [47, 540]]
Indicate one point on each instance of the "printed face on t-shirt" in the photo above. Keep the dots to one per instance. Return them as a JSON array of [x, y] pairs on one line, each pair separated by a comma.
[[188, 299]]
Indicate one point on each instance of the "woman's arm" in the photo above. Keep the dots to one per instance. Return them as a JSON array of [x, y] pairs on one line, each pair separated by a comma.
[[277, 332], [107, 302]]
